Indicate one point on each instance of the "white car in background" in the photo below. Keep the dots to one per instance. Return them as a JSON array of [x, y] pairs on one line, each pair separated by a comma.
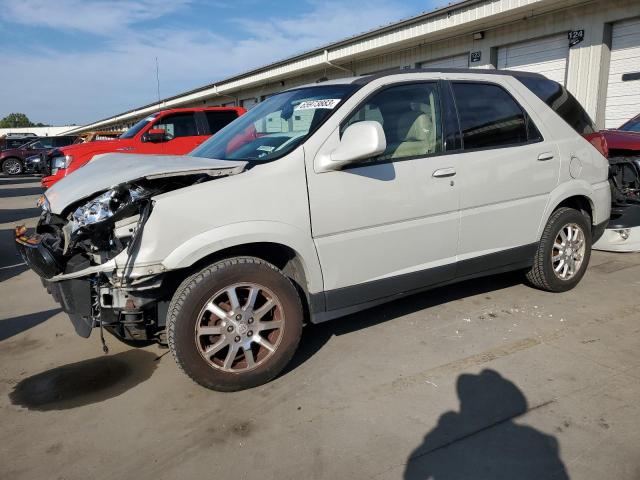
[[321, 201]]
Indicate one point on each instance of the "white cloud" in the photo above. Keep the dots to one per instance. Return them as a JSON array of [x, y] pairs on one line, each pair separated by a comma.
[[99, 17], [62, 86]]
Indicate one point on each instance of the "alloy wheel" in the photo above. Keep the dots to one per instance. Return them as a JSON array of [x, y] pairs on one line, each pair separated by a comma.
[[240, 327], [568, 251], [12, 166]]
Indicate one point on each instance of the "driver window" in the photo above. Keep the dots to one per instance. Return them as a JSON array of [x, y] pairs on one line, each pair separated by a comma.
[[410, 118], [178, 125]]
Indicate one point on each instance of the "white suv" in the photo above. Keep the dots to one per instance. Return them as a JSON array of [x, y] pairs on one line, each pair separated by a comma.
[[321, 201]]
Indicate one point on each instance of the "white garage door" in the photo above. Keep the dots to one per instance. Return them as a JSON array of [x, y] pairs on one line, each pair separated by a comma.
[[623, 97], [547, 56], [456, 61], [249, 103]]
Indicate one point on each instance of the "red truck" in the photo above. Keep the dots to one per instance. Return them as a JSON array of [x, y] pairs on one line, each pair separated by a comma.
[[170, 132]]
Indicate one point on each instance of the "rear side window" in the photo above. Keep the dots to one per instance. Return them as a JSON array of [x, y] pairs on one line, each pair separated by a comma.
[[562, 102], [489, 116], [63, 141], [218, 120]]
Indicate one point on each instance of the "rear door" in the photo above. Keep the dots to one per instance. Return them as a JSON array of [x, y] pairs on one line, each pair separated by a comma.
[[505, 172]]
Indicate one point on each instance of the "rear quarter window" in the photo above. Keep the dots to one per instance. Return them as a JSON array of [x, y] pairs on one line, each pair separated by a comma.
[[489, 116], [562, 102]]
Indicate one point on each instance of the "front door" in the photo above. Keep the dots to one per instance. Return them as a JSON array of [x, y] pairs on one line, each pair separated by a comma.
[[182, 135], [388, 225]]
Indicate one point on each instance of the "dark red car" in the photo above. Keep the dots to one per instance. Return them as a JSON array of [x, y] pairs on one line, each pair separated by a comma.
[[12, 160], [624, 141]]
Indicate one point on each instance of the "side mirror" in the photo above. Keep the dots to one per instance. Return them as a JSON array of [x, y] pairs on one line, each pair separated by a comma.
[[360, 141], [155, 135]]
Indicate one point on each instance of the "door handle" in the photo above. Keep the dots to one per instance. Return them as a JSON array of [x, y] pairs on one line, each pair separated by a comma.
[[545, 156], [444, 172]]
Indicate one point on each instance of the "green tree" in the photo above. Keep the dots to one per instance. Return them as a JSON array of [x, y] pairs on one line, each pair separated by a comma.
[[15, 120], [18, 120]]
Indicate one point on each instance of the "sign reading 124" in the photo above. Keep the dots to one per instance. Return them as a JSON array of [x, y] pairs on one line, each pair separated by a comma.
[[575, 37]]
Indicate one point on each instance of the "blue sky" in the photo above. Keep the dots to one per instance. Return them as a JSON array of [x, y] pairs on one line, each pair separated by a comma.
[[76, 61]]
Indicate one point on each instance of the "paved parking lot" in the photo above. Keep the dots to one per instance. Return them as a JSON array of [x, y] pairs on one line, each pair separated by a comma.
[[487, 379]]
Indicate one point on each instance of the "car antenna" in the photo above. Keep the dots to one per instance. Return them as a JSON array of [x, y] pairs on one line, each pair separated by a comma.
[[158, 78]]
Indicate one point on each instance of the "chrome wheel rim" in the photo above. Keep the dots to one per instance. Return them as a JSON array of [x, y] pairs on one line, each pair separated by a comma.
[[12, 167], [240, 327], [568, 251]]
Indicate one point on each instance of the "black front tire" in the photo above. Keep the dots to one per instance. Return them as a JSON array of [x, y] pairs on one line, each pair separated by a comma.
[[184, 316], [542, 274]]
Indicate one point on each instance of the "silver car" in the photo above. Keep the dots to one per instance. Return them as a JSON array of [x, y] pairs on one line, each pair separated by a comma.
[[321, 201]]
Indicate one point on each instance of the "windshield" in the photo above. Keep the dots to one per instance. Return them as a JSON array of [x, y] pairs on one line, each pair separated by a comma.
[[631, 125], [137, 127], [276, 126]]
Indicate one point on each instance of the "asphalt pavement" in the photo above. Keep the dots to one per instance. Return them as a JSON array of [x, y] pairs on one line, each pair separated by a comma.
[[488, 379]]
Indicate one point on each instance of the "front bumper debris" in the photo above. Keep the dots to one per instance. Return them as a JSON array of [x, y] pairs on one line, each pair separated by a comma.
[[36, 254]]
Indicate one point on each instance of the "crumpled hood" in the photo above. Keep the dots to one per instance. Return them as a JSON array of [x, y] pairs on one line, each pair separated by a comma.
[[111, 169]]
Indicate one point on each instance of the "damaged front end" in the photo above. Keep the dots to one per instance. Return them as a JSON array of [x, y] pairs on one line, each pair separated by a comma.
[[85, 254], [622, 233]]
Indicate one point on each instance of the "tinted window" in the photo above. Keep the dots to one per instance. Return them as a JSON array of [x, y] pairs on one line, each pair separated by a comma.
[[489, 116], [631, 126], [178, 125], [42, 143], [219, 120], [63, 141], [561, 101], [410, 118]]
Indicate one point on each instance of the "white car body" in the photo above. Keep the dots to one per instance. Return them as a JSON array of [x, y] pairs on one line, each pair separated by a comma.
[[365, 233]]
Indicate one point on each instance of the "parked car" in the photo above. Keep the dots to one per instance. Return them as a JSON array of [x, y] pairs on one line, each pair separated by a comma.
[[169, 132], [623, 231], [325, 200], [632, 125], [12, 160], [15, 140]]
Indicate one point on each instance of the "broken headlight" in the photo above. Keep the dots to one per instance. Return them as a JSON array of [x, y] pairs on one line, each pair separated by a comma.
[[105, 206]]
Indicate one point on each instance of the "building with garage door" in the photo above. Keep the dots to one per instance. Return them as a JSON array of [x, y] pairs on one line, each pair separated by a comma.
[[591, 47]]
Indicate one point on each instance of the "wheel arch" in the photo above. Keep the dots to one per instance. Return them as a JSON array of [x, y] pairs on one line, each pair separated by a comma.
[[285, 246], [578, 195], [281, 256]]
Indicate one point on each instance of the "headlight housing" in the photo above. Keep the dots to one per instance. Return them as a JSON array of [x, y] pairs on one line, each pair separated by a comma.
[[43, 203], [105, 206]]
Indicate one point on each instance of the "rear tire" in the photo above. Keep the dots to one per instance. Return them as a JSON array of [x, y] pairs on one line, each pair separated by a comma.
[[234, 324], [563, 253], [12, 166]]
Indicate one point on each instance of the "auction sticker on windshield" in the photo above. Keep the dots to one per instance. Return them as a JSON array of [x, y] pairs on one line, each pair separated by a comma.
[[329, 103]]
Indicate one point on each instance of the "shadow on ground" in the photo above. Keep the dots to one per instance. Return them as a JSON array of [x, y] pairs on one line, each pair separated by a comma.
[[18, 214], [482, 442], [315, 336], [85, 382], [11, 263], [15, 325], [19, 192], [4, 180]]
